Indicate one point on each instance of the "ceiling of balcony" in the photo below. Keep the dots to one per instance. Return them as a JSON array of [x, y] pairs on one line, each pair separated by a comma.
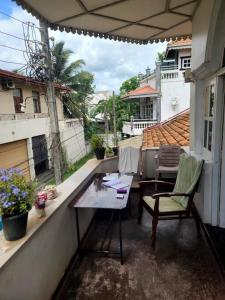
[[137, 21]]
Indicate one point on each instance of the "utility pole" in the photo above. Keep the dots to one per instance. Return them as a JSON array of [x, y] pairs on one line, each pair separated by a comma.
[[54, 123], [106, 121], [114, 121]]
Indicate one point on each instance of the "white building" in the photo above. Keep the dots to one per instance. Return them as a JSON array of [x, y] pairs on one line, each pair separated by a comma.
[[94, 99], [163, 92], [25, 136]]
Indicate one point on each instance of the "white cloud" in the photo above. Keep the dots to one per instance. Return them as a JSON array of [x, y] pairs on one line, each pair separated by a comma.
[[111, 62]]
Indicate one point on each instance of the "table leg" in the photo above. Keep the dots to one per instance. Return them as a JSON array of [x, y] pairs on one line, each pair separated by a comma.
[[121, 239], [78, 230]]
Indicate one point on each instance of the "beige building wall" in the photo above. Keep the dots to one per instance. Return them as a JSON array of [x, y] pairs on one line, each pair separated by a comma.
[[7, 102]]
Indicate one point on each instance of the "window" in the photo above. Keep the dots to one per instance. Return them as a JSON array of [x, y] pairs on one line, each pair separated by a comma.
[[185, 62], [148, 109], [18, 99], [36, 102], [208, 117]]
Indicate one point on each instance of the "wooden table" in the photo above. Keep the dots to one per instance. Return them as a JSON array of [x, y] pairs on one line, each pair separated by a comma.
[[96, 195]]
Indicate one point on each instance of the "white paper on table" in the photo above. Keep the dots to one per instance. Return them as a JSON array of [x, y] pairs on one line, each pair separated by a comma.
[[111, 183], [120, 186]]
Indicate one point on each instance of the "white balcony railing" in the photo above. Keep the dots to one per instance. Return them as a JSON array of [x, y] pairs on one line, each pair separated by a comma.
[[136, 127]]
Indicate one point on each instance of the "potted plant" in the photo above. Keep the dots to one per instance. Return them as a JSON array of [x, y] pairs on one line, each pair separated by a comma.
[[109, 152], [97, 145], [115, 148], [40, 204], [16, 198]]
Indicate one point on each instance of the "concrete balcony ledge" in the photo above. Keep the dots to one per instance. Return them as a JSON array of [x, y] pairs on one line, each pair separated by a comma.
[[32, 267]]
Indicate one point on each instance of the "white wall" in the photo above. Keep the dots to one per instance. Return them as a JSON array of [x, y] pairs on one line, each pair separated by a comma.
[[171, 89], [207, 53], [200, 25], [72, 139], [149, 81]]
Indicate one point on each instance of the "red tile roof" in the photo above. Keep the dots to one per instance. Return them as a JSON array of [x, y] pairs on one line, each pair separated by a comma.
[[143, 90], [178, 43], [17, 76], [175, 131]]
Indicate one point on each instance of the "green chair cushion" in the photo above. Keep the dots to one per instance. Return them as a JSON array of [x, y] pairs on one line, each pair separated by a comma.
[[166, 204], [187, 177]]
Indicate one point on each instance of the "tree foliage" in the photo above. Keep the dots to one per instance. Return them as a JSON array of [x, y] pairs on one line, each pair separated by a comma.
[[129, 85], [124, 110], [161, 56], [79, 80]]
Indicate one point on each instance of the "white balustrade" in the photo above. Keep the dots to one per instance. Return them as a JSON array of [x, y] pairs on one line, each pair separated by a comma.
[[136, 127]]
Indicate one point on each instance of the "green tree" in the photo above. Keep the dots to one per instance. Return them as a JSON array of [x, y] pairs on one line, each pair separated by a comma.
[[64, 71], [161, 56], [129, 85], [79, 80]]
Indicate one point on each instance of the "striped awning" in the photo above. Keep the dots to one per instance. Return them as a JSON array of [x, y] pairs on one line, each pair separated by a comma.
[[135, 21]]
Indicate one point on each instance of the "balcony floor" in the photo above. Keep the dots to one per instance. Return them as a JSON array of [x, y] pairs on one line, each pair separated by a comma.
[[180, 267]]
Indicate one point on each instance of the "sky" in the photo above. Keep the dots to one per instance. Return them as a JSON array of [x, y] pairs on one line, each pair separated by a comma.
[[111, 62]]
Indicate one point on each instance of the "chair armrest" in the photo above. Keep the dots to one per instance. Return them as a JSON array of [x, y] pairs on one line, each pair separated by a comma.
[[169, 195], [150, 182]]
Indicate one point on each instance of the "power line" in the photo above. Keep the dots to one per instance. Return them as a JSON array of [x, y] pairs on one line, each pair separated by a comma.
[[18, 20], [12, 62], [13, 48], [17, 37]]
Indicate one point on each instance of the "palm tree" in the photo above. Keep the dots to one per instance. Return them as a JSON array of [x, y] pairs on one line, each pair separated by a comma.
[[161, 56], [64, 72]]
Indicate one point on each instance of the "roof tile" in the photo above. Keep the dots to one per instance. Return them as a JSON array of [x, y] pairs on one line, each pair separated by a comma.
[[174, 131]]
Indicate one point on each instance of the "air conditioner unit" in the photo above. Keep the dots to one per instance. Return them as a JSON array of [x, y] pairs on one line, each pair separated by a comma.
[[7, 84]]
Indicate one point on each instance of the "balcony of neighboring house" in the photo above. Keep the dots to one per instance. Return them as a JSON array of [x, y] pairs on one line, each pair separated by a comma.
[[146, 99], [136, 126]]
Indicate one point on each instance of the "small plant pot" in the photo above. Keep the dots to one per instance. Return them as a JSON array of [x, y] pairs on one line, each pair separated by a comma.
[[14, 227], [100, 153], [115, 151]]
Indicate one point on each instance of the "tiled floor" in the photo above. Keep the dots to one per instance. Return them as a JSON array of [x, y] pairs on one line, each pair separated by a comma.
[[180, 267]]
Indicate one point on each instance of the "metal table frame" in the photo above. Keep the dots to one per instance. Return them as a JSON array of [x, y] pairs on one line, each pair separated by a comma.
[[101, 251]]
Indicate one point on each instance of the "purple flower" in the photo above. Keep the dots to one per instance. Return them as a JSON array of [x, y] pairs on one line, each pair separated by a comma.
[[7, 204], [4, 178], [3, 196], [2, 171], [15, 190], [24, 195]]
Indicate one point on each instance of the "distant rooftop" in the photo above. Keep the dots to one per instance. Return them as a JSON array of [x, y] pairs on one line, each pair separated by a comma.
[[180, 43], [174, 131], [141, 92], [28, 80]]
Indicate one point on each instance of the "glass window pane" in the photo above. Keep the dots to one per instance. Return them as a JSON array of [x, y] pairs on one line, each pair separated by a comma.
[[205, 133], [211, 99], [17, 93], [210, 136]]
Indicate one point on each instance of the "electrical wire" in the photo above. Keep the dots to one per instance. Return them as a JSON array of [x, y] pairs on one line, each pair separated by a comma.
[[18, 20], [12, 62], [13, 48], [16, 37]]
